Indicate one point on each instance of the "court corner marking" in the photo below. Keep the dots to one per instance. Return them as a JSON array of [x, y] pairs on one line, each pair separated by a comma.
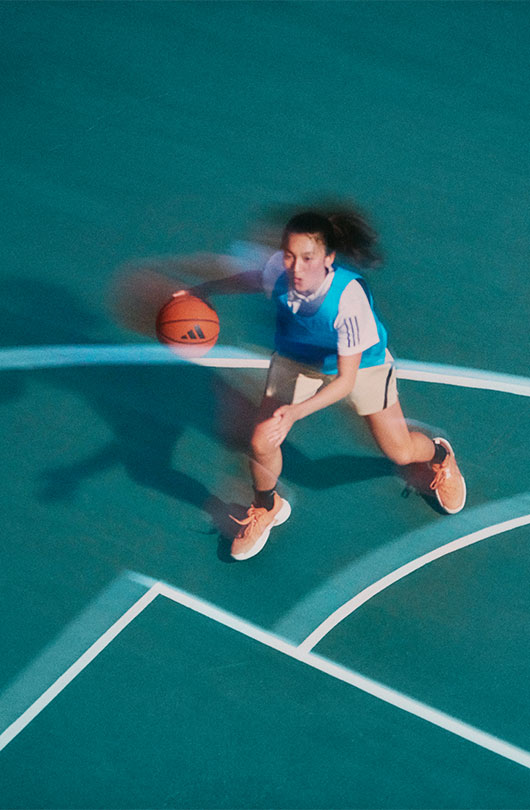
[[377, 690], [49, 694]]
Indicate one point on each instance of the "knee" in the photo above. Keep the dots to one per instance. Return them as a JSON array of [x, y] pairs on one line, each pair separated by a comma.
[[400, 455], [259, 443]]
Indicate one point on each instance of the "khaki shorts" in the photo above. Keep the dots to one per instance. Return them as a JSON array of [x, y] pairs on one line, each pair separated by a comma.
[[375, 388]]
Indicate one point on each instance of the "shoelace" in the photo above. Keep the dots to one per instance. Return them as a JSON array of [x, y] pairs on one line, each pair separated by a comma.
[[441, 474], [252, 516]]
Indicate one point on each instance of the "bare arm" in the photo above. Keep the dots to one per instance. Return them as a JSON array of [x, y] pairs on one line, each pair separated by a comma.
[[249, 281], [140, 289], [285, 416]]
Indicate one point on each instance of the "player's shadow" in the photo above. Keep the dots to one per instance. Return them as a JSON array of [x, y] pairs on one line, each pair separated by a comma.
[[332, 471], [146, 408]]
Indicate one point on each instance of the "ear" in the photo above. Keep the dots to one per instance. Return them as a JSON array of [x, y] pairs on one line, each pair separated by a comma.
[[330, 258]]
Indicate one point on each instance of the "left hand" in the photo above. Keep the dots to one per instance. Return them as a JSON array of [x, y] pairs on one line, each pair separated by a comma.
[[281, 423]]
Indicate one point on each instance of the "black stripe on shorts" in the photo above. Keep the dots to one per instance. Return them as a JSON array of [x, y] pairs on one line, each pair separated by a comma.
[[388, 377]]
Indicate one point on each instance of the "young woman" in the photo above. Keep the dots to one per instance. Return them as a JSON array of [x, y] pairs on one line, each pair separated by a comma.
[[330, 345]]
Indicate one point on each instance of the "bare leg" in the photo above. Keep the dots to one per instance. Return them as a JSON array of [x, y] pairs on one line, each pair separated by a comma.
[[397, 442], [265, 460], [388, 428]]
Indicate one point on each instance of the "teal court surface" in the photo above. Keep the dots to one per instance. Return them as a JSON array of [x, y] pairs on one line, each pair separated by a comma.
[[376, 653]]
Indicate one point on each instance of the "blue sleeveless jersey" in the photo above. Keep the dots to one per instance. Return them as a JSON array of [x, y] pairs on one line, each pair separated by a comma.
[[312, 339]]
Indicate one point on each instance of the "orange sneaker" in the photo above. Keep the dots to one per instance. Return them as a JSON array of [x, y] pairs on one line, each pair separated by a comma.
[[256, 527], [448, 482]]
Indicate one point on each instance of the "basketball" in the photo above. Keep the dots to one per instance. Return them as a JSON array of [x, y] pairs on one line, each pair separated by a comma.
[[188, 324]]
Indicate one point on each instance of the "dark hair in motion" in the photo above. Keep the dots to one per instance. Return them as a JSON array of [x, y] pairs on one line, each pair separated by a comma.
[[345, 231]]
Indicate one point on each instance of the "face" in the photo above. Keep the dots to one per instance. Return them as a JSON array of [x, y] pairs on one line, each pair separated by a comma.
[[306, 261]]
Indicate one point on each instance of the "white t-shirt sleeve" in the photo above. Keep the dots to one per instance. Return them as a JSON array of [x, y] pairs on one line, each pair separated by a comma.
[[272, 272], [355, 322]]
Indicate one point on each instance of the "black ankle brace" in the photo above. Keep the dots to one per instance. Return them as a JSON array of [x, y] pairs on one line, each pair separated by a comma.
[[264, 498], [440, 453]]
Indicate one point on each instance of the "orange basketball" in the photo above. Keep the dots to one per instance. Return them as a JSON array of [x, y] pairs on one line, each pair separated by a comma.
[[188, 324]]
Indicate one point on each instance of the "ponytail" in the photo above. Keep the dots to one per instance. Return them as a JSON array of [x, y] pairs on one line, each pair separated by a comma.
[[355, 238]]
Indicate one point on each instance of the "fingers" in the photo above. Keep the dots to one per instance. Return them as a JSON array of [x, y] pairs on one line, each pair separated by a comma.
[[277, 427]]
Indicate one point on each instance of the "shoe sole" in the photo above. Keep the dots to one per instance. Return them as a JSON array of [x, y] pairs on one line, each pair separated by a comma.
[[281, 516], [448, 447]]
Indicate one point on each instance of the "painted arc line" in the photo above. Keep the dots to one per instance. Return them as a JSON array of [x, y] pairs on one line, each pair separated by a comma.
[[361, 682], [34, 357], [462, 377], [379, 562], [368, 593], [78, 666]]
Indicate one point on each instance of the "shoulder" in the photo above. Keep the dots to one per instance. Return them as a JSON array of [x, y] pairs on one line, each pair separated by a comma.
[[352, 283], [355, 296], [346, 277]]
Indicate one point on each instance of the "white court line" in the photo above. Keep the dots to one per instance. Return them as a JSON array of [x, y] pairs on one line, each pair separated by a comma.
[[367, 685], [34, 357], [78, 666], [56, 356], [372, 590], [462, 377]]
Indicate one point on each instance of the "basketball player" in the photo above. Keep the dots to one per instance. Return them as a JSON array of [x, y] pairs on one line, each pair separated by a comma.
[[330, 345]]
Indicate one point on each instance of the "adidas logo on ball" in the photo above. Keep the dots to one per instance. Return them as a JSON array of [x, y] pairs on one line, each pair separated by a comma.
[[194, 334]]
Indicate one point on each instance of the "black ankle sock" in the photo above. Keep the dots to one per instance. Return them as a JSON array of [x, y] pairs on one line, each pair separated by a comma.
[[264, 498], [440, 453]]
